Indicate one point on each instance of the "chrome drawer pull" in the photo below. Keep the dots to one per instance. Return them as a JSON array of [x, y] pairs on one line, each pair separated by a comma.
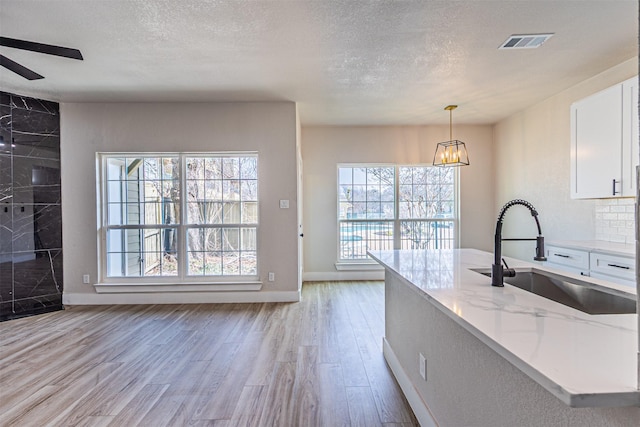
[[619, 266], [562, 255]]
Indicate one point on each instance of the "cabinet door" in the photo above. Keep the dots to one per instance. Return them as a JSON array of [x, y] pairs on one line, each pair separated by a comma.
[[630, 141], [596, 145]]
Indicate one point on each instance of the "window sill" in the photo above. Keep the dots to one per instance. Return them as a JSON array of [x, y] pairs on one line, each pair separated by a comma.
[[120, 288], [358, 266]]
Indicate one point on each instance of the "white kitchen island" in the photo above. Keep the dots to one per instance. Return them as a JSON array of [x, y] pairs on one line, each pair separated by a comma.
[[503, 356]]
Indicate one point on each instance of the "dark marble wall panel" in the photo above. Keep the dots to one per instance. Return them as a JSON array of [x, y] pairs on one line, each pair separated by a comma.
[[36, 227], [36, 145], [36, 305], [28, 122], [33, 104], [6, 231], [6, 282], [35, 180], [35, 133], [6, 179], [5, 99], [5, 129], [38, 276], [30, 210]]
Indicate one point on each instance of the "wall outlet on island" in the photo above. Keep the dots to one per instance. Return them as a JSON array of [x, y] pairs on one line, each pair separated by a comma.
[[86, 279], [272, 276], [423, 367]]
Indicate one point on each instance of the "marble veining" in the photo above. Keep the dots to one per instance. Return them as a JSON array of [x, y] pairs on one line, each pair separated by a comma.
[[31, 104], [30, 207], [585, 360]]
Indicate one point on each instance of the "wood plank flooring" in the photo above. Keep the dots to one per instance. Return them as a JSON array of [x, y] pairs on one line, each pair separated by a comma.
[[317, 362]]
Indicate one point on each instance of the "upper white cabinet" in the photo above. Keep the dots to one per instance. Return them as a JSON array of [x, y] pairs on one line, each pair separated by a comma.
[[604, 143], [630, 140]]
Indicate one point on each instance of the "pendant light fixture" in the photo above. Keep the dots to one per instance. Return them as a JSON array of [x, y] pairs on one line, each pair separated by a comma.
[[453, 152]]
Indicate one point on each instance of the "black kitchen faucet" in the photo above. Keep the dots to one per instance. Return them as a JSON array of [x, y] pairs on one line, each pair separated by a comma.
[[497, 271]]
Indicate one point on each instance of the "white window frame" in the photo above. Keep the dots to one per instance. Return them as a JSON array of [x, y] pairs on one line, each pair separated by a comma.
[[158, 283], [349, 263]]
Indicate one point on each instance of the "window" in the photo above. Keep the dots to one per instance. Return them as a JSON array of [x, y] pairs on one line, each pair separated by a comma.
[[387, 207], [152, 230]]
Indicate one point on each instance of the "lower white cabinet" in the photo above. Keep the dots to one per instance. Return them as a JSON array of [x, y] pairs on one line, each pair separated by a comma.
[[623, 268], [574, 260], [597, 264]]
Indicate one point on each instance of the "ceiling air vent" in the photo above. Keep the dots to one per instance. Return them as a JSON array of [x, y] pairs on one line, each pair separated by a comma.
[[525, 41]]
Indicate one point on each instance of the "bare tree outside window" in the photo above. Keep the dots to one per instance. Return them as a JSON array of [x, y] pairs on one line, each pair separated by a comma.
[[143, 223], [222, 198], [374, 202], [426, 196]]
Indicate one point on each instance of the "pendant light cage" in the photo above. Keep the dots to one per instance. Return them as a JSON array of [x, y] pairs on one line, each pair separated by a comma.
[[451, 153]]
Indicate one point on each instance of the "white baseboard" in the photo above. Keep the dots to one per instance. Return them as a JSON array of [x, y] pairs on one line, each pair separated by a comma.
[[419, 407], [138, 288], [328, 276], [177, 298]]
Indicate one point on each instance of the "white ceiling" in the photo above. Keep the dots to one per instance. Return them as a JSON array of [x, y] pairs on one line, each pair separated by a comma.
[[343, 61]]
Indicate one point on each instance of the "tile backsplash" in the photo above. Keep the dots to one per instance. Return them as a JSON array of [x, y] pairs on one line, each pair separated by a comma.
[[615, 220]]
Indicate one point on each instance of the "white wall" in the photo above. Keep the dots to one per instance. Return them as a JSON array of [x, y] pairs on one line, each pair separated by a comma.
[[323, 147], [268, 128], [533, 163]]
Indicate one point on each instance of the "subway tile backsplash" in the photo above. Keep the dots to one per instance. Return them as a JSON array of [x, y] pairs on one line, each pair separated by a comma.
[[615, 220]]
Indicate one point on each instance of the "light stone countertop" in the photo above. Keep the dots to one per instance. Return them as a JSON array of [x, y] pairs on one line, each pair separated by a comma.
[[584, 360]]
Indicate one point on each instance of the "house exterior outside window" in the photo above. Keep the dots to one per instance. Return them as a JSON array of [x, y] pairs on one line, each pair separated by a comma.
[[179, 217]]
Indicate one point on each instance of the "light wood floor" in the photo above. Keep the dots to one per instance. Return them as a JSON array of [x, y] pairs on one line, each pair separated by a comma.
[[314, 363]]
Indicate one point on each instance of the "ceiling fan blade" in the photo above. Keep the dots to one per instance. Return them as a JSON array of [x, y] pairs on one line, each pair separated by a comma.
[[41, 48], [19, 69]]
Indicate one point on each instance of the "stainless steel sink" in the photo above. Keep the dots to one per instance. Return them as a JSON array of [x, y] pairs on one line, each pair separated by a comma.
[[570, 292]]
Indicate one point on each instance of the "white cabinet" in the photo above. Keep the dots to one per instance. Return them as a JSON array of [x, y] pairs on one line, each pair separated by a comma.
[[572, 260], [604, 142], [630, 140], [616, 268], [593, 262]]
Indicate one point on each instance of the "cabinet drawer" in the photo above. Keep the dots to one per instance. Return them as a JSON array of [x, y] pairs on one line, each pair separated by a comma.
[[568, 257], [619, 281], [612, 265], [567, 269]]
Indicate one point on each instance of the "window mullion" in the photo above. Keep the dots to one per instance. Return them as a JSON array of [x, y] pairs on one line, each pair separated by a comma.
[[396, 209], [182, 229]]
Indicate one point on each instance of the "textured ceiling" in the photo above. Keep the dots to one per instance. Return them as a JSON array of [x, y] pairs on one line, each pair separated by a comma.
[[343, 61]]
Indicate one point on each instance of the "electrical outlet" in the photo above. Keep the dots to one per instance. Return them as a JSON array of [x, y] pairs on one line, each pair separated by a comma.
[[284, 204], [423, 367], [272, 276], [86, 279]]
